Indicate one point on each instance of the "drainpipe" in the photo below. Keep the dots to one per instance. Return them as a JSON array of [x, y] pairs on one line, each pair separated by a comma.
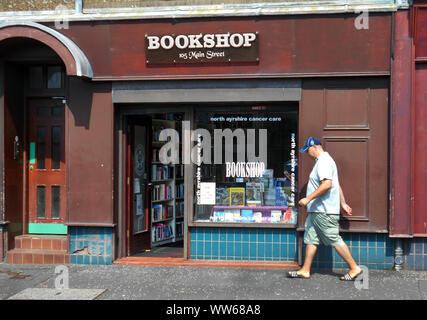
[[398, 255], [79, 6]]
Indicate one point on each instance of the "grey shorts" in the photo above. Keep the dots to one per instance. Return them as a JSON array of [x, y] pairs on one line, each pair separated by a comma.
[[322, 228]]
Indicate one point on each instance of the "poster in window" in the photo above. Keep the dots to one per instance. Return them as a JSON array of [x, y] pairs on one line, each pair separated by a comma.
[[207, 193], [222, 196], [253, 194]]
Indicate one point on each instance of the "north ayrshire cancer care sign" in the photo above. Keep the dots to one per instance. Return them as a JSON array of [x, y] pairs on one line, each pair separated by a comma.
[[202, 48]]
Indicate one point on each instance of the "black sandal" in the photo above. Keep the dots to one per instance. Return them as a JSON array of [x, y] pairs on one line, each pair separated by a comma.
[[348, 277]]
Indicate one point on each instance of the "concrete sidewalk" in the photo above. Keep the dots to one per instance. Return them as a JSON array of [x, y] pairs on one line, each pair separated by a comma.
[[212, 283]]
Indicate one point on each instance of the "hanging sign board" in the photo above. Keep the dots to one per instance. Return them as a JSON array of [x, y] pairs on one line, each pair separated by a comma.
[[202, 48]]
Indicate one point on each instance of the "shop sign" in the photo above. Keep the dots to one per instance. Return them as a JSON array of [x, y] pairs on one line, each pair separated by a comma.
[[201, 48]]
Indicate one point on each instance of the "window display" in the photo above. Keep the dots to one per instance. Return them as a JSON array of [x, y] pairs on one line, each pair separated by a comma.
[[247, 157]]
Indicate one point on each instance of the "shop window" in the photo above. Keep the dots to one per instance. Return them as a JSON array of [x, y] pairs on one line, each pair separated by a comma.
[[56, 200], [246, 164]]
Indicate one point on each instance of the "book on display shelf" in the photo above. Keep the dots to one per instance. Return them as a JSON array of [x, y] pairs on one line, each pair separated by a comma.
[[276, 216], [222, 196], [237, 197], [247, 216], [253, 194], [257, 217]]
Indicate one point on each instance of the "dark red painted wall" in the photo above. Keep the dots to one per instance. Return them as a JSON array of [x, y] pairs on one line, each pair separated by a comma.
[[419, 120], [308, 44], [420, 150], [90, 153]]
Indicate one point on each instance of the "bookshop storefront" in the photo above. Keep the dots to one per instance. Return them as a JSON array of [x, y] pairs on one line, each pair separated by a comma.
[[223, 173], [211, 163], [185, 144]]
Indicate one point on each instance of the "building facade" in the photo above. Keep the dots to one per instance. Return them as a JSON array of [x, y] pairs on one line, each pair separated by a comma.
[[130, 129]]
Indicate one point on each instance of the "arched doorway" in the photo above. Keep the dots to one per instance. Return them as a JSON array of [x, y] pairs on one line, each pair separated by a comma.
[[35, 62]]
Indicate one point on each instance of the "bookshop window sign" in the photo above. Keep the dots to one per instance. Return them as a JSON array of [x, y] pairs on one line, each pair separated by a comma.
[[248, 173]]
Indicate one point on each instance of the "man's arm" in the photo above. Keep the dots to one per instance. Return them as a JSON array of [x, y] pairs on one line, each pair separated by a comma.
[[325, 185]]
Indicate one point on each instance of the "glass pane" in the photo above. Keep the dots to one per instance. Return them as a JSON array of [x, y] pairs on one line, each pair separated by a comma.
[[54, 77], [56, 200], [56, 147], [41, 202], [41, 147], [36, 77], [43, 111]]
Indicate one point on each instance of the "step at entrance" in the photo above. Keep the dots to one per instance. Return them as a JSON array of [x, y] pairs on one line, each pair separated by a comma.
[[39, 249]]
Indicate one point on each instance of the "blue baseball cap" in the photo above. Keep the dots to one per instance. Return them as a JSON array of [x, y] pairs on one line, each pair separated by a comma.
[[309, 143]]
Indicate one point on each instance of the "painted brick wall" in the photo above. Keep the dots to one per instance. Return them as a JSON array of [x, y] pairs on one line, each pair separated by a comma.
[[91, 245]]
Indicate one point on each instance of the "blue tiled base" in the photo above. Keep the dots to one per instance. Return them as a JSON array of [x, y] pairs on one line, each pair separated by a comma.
[[98, 241], [243, 244], [415, 251], [375, 251]]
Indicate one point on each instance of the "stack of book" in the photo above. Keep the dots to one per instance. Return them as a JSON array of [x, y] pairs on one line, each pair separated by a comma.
[[159, 172], [180, 229], [179, 209], [161, 232], [179, 190], [156, 133], [162, 192], [161, 212], [155, 155], [179, 171]]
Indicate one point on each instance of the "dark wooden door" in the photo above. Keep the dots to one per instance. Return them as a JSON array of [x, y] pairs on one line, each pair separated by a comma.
[[46, 161], [138, 184]]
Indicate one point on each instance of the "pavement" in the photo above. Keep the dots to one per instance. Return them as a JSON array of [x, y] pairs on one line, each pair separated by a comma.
[[173, 283]]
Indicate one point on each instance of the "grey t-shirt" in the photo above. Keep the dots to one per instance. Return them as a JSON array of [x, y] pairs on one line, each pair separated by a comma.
[[329, 202]]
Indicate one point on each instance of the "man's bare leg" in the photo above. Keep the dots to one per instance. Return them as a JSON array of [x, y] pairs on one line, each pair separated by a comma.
[[345, 253], [310, 252]]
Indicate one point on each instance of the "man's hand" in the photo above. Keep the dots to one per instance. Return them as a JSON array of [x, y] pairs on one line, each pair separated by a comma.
[[347, 209], [304, 202]]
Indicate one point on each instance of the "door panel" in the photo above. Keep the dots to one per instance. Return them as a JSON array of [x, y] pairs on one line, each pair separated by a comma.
[[138, 184], [350, 116], [46, 165]]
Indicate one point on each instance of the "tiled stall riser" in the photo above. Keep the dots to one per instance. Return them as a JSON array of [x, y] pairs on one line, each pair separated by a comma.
[[415, 251], [243, 244], [91, 245], [375, 251]]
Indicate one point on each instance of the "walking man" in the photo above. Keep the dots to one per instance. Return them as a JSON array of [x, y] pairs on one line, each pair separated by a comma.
[[323, 200]]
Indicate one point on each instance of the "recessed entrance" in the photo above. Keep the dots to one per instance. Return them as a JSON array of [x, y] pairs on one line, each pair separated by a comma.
[[154, 195]]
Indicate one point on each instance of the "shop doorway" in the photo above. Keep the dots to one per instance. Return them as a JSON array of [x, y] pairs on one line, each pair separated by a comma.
[[154, 189]]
